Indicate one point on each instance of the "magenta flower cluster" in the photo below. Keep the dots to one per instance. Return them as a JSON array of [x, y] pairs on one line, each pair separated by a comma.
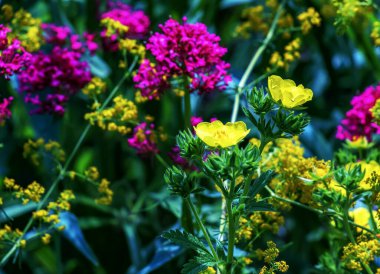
[[5, 112], [144, 139], [187, 52], [52, 78], [136, 21], [62, 35], [358, 121], [13, 56]]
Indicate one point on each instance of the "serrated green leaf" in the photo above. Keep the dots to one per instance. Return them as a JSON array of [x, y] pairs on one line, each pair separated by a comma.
[[186, 239], [261, 182]]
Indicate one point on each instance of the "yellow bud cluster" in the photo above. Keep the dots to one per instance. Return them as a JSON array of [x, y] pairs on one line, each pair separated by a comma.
[[132, 46], [291, 54], [354, 255], [32, 192], [7, 12], [34, 149], [25, 28], [375, 110], [375, 33], [92, 173], [113, 27], [269, 256], [106, 192], [253, 18], [258, 222], [96, 87], [46, 238], [139, 98], [116, 117], [7, 234], [308, 19], [286, 159]]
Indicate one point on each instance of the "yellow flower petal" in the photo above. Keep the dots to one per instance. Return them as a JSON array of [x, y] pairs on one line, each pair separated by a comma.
[[215, 134], [286, 92]]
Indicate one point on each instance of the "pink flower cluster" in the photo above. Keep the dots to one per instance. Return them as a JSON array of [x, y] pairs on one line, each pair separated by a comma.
[[144, 139], [62, 35], [5, 113], [136, 21], [13, 56], [52, 78], [358, 121], [188, 52]]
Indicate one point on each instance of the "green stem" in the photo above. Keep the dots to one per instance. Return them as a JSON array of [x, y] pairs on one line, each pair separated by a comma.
[[317, 211], [162, 161], [253, 62], [187, 105], [347, 227], [61, 174], [200, 223], [231, 235]]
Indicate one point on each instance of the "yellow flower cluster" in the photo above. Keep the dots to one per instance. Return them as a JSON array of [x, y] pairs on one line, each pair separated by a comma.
[[32, 192], [34, 149], [253, 21], [132, 46], [375, 33], [375, 110], [92, 175], [258, 19], [46, 238], [258, 222], [370, 169], [348, 11], [291, 54], [50, 214], [308, 19], [106, 192], [113, 26], [269, 256], [96, 87], [286, 159], [363, 252], [24, 27], [116, 117], [7, 234]]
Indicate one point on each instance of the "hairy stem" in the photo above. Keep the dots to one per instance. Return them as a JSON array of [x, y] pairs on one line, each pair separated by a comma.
[[201, 225], [253, 62]]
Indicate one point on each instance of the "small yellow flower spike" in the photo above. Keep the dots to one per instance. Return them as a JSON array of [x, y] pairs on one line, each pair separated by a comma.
[[215, 134], [286, 92]]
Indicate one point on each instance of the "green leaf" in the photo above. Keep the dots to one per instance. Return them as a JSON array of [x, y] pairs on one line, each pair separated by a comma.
[[261, 182], [196, 265], [258, 206], [186, 240]]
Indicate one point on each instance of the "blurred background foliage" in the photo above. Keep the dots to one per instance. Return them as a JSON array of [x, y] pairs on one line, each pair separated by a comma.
[[124, 237]]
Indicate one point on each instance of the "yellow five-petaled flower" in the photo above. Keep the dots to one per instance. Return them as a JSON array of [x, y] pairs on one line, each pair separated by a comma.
[[215, 134], [287, 93]]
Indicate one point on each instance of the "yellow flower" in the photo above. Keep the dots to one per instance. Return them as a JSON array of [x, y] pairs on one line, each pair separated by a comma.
[[360, 142], [287, 92], [215, 134]]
